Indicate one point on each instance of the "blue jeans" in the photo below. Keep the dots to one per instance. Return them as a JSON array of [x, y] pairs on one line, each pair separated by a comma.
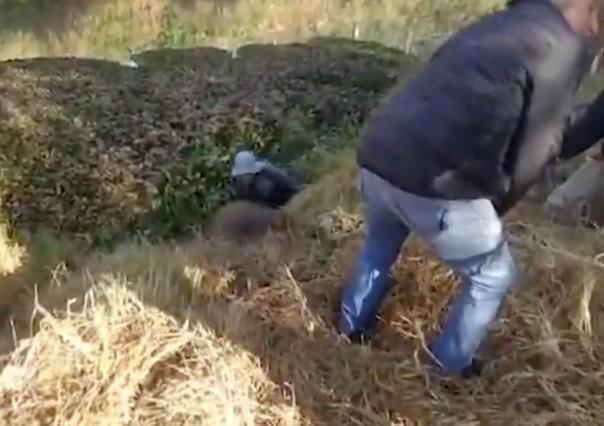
[[466, 235]]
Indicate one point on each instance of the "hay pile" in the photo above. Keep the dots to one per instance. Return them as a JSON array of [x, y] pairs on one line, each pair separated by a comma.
[[244, 335], [90, 146], [120, 362]]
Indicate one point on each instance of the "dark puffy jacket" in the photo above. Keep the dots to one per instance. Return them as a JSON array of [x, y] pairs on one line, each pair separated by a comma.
[[270, 187], [488, 112]]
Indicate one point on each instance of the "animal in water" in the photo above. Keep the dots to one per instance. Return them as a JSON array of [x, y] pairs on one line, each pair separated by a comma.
[[243, 221]]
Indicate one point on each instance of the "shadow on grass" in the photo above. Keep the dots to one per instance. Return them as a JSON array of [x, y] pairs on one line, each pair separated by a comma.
[[37, 259], [277, 299]]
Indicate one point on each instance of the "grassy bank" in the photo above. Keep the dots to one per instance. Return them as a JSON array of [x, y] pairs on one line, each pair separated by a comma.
[[153, 330], [208, 332]]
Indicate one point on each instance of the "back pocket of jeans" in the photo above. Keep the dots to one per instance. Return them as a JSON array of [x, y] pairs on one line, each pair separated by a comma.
[[467, 231]]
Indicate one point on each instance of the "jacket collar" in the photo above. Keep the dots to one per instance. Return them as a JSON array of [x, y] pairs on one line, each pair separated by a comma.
[[516, 2], [547, 4], [544, 3], [587, 53]]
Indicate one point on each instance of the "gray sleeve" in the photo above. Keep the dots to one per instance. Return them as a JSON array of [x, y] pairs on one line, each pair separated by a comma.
[[551, 89]]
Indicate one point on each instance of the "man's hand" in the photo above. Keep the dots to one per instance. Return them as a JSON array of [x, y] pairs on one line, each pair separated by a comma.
[[501, 208], [584, 129]]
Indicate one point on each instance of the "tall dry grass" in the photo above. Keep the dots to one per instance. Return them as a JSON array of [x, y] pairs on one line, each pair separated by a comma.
[[12, 254], [109, 29], [210, 332], [13, 257]]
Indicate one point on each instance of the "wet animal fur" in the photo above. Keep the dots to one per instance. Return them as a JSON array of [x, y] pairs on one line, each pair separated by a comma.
[[244, 221]]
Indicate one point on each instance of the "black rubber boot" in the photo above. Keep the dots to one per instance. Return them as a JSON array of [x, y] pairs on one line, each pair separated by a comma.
[[473, 370]]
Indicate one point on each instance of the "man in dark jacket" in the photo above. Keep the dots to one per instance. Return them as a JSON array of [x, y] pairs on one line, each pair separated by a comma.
[[260, 181], [455, 148]]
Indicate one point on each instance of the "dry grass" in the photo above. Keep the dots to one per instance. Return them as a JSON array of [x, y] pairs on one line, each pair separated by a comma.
[[13, 258], [121, 362], [212, 333], [108, 28], [12, 254]]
